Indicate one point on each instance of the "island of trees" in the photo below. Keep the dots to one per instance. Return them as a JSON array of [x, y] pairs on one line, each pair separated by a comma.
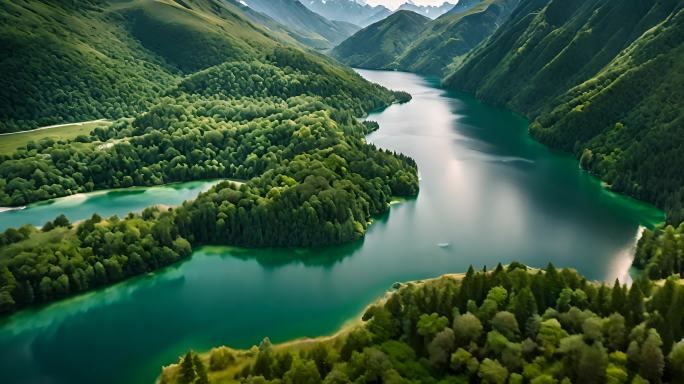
[[509, 325]]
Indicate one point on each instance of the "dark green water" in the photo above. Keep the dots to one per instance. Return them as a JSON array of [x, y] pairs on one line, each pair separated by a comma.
[[105, 203], [487, 189]]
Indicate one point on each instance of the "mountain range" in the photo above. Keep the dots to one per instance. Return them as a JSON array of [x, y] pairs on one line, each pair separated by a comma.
[[348, 10], [323, 33], [424, 45], [431, 11]]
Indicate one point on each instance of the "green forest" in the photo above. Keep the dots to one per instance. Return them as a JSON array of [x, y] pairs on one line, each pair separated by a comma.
[[282, 118], [74, 61], [213, 89], [660, 252], [312, 181], [509, 325], [215, 123], [602, 80]]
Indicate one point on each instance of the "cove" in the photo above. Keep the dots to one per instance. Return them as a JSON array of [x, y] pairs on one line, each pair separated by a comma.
[[489, 194], [105, 203]]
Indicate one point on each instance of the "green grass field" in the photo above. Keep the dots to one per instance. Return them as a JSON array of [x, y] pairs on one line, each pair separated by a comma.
[[10, 143]]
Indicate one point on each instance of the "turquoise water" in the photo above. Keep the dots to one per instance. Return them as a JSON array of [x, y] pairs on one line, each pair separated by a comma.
[[487, 189], [105, 203]]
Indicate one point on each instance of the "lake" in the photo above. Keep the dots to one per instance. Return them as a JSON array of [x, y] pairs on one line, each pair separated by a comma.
[[105, 203], [489, 194]]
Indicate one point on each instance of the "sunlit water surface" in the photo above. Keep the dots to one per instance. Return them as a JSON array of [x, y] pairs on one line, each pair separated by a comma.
[[487, 189]]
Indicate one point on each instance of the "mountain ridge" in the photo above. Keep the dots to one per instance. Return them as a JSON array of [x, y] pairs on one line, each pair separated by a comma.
[[348, 10], [296, 16], [386, 39], [430, 48]]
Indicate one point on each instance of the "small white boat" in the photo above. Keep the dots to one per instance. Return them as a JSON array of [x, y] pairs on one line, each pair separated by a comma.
[[443, 245]]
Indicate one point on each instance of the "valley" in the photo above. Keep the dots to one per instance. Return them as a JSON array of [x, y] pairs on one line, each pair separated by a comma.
[[197, 185], [285, 293]]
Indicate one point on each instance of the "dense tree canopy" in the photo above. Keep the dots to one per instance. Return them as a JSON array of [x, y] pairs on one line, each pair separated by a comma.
[[287, 125], [661, 252], [220, 122], [477, 328]]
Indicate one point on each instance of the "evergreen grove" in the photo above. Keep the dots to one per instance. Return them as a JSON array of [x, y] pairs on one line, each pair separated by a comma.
[[510, 325]]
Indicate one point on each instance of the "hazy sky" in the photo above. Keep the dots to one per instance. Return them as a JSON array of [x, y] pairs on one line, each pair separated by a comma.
[[395, 3]]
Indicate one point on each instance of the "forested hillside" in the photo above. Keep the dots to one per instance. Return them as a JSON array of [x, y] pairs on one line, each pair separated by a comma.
[[600, 79], [453, 35], [278, 116], [74, 62], [378, 45], [85, 67], [423, 45], [511, 325]]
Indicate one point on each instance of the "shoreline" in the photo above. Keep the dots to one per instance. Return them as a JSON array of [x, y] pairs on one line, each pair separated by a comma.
[[86, 195], [247, 355], [9, 209]]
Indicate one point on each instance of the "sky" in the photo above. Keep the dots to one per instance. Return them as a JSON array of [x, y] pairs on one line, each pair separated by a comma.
[[392, 4]]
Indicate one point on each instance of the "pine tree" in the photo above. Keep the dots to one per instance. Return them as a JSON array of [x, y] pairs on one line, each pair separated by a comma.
[[466, 290], [523, 305], [200, 370], [262, 365], [187, 370], [553, 284], [601, 304], [618, 298], [635, 305]]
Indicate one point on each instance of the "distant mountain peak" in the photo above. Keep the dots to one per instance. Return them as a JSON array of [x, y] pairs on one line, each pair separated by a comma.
[[431, 11], [356, 12]]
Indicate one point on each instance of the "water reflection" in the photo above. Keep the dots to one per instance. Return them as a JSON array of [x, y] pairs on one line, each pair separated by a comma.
[[487, 189]]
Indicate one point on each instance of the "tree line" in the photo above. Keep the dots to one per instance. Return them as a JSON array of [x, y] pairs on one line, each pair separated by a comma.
[[509, 325]]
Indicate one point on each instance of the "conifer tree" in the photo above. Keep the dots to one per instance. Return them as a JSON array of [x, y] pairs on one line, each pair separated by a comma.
[[187, 370], [200, 370]]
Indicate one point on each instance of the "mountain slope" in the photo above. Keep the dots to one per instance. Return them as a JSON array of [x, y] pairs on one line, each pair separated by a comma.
[[454, 34], [348, 10], [424, 45], [108, 60], [77, 61], [378, 45], [462, 6], [601, 79], [299, 18], [278, 30], [64, 74], [195, 35]]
